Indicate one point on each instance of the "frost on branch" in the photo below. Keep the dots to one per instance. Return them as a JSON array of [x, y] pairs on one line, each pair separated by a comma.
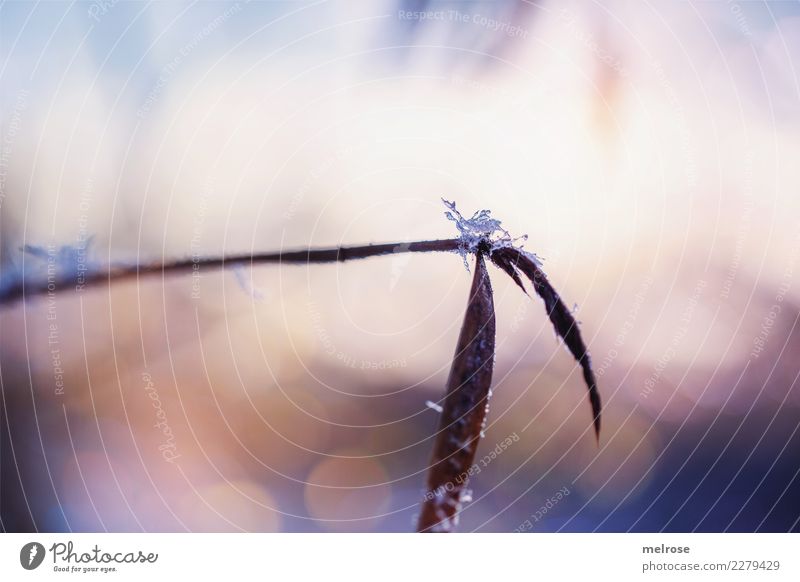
[[53, 263], [481, 227], [482, 234]]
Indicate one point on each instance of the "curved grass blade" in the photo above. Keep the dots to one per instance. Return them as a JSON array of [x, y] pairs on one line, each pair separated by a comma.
[[464, 411], [504, 263], [560, 316]]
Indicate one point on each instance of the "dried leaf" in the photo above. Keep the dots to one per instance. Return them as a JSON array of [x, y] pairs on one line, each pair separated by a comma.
[[505, 264], [464, 410], [560, 316]]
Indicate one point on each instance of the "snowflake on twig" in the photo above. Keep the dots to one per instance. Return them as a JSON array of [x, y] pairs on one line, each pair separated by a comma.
[[481, 227]]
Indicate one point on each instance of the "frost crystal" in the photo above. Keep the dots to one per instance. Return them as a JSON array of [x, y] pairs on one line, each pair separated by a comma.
[[481, 227], [434, 406], [69, 261], [247, 285]]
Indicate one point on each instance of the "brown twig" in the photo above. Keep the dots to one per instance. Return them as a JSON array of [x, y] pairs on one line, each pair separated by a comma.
[[464, 411], [22, 289]]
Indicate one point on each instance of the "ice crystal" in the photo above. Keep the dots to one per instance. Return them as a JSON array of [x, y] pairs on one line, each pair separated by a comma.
[[246, 284], [433, 406], [66, 260], [481, 227]]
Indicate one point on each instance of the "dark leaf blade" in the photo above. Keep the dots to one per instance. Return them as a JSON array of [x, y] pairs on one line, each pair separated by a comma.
[[502, 262], [561, 318], [464, 411]]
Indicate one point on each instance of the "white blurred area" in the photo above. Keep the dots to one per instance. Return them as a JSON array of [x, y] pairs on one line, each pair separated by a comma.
[[643, 149]]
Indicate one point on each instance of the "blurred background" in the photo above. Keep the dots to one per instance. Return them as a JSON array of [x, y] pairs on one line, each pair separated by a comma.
[[648, 150]]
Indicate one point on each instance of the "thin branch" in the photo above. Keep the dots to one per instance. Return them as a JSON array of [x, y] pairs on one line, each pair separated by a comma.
[[24, 289], [465, 407]]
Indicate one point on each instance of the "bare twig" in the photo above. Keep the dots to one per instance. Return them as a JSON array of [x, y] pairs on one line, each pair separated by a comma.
[[22, 289], [464, 411]]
